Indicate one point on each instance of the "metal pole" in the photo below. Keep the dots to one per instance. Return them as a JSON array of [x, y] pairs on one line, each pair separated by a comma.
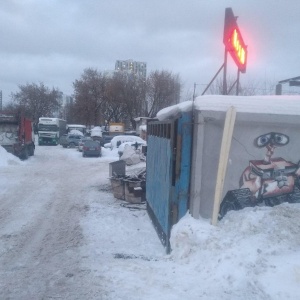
[[225, 73], [230, 89], [212, 80], [193, 103], [194, 91], [238, 82], [278, 90]]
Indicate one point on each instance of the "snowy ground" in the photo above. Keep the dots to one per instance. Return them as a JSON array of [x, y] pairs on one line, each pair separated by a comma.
[[64, 236]]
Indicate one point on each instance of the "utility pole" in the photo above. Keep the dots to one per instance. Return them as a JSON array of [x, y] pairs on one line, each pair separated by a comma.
[[225, 73]]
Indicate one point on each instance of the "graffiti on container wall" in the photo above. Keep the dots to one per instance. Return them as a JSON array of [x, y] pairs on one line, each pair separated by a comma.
[[270, 181]]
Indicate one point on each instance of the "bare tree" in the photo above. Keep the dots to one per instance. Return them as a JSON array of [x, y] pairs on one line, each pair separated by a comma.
[[115, 106], [89, 94], [37, 100], [125, 98], [163, 89], [250, 88], [122, 97], [134, 95], [10, 106]]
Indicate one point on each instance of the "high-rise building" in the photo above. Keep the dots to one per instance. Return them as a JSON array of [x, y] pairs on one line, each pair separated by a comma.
[[136, 67]]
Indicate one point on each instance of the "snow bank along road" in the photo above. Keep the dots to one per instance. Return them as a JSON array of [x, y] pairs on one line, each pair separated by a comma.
[[60, 225]]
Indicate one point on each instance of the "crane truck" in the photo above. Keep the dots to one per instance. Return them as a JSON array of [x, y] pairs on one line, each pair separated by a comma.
[[16, 134]]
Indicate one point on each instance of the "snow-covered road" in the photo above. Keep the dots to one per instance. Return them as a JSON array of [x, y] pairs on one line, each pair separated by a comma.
[[64, 236], [47, 214]]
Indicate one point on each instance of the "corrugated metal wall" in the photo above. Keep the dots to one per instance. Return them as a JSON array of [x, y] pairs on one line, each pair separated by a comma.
[[159, 176], [168, 173]]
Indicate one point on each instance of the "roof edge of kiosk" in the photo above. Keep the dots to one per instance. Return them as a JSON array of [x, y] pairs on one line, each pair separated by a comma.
[[277, 105]]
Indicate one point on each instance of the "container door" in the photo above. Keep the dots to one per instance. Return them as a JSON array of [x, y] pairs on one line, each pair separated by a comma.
[[168, 173]]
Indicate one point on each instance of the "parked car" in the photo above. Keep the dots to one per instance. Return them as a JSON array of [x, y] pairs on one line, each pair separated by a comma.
[[120, 139], [82, 141], [105, 139], [70, 140], [91, 148]]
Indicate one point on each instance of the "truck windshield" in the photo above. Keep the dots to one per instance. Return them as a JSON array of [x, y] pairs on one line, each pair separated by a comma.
[[46, 127]]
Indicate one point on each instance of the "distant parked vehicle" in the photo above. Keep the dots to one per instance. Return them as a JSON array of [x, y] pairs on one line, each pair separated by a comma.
[[70, 140], [82, 141], [120, 139], [16, 134], [91, 148], [79, 127], [50, 130], [116, 128], [133, 145], [105, 139]]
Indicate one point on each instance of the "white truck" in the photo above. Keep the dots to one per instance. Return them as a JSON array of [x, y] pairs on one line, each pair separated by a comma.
[[50, 130]]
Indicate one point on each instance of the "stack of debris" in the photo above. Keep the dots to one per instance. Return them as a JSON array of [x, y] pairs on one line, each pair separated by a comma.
[[129, 188]]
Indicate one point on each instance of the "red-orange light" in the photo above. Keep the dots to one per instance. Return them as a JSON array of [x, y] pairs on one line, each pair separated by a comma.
[[239, 50], [233, 41]]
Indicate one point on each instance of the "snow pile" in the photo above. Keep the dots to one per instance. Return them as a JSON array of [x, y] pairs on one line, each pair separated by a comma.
[[174, 111], [76, 132], [8, 158], [120, 139], [251, 254], [143, 128], [130, 155], [254, 252], [96, 131]]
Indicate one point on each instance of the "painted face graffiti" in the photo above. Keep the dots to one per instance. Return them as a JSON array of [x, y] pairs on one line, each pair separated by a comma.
[[271, 181], [269, 177], [271, 140]]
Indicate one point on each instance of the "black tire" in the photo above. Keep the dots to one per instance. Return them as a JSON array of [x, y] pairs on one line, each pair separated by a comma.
[[31, 150], [273, 201], [24, 154], [72, 145], [236, 200], [295, 196], [64, 146], [297, 182], [226, 206]]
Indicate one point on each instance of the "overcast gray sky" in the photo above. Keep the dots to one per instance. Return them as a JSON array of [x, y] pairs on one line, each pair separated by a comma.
[[53, 41]]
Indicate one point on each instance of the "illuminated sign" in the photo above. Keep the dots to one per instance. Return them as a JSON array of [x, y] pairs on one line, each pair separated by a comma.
[[233, 41]]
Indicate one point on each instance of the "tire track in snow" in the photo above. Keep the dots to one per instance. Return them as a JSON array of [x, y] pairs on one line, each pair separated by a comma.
[[42, 233]]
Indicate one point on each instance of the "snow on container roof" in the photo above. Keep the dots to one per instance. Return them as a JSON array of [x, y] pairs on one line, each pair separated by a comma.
[[278, 105]]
